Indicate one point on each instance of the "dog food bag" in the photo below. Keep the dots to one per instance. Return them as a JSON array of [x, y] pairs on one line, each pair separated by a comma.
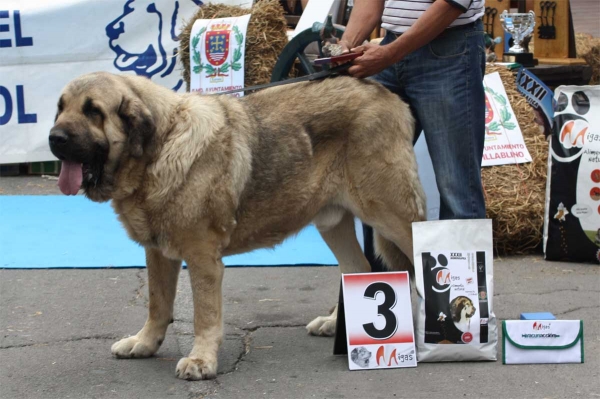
[[454, 277], [572, 217]]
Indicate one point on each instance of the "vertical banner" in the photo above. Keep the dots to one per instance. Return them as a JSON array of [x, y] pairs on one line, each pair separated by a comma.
[[539, 96], [572, 220], [217, 54], [503, 138]]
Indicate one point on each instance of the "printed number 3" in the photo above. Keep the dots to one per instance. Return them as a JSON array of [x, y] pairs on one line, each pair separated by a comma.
[[385, 310]]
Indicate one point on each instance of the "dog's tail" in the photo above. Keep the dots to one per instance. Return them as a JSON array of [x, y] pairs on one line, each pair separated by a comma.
[[393, 258]]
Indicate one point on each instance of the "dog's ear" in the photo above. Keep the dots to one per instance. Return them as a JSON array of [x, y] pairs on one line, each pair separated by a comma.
[[455, 309], [139, 124]]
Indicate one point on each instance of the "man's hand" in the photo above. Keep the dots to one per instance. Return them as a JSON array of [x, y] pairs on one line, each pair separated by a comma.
[[374, 60], [345, 46]]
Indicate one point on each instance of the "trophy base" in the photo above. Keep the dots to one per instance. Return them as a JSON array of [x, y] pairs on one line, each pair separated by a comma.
[[525, 59]]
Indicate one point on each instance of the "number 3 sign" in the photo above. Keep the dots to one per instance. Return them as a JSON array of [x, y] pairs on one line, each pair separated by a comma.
[[379, 323]]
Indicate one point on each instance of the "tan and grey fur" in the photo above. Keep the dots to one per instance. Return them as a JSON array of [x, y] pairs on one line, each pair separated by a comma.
[[196, 178]]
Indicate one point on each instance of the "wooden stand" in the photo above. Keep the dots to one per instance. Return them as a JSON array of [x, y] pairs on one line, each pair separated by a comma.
[[559, 50]]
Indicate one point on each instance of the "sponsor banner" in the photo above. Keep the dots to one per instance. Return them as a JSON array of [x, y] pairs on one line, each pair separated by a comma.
[[503, 138], [572, 220], [46, 43], [539, 96], [379, 323], [217, 49]]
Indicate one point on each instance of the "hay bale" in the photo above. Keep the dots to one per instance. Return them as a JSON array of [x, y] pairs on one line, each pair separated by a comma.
[[265, 38], [588, 48], [515, 194]]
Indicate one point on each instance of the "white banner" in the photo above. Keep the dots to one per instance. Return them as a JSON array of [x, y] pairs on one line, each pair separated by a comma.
[[503, 138], [46, 43], [217, 49]]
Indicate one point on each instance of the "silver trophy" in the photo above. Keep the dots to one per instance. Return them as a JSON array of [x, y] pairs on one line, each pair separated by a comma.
[[520, 26]]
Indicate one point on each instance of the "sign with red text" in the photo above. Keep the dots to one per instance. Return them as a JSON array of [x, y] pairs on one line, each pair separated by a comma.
[[379, 323], [503, 138]]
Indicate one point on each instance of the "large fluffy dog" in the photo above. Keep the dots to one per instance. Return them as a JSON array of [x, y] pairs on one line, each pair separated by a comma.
[[201, 177]]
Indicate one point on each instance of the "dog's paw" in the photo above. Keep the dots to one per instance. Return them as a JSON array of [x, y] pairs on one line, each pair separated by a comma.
[[196, 369], [322, 325], [132, 347]]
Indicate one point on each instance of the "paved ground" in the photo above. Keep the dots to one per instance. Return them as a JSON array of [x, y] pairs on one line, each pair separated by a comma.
[[57, 326]]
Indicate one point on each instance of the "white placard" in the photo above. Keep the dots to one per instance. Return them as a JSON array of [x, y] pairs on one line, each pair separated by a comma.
[[217, 49], [503, 138], [379, 323]]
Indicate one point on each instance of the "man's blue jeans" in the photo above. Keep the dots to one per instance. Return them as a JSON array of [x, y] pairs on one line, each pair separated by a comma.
[[442, 83]]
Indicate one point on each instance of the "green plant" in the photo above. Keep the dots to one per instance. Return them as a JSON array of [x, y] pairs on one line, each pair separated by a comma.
[[505, 115]]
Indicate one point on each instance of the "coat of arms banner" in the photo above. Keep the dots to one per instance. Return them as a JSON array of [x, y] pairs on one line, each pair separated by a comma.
[[217, 48]]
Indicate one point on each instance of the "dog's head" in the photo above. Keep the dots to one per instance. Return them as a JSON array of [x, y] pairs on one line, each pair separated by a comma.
[[460, 307], [145, 58], [100, 122]]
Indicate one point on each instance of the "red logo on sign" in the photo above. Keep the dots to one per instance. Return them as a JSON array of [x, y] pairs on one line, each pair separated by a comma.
[[381, 357], [489, 112], [217, 44], [443, 277], [467, 337], [572, 133]]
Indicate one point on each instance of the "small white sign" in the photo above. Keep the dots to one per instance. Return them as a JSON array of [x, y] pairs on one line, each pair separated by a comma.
[[503, 138], [217, 49], [379, 323]]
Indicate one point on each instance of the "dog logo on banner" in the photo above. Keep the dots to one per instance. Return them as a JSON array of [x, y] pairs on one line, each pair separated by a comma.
[[153, 56]]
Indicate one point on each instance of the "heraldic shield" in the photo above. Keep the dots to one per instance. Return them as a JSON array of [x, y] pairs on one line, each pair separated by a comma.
[[217, 44]]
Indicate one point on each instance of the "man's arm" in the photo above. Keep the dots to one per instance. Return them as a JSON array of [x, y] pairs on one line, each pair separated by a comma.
[[433, 22], [365, 16]]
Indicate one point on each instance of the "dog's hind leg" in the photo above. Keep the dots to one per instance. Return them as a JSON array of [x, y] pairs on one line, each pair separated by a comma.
[[340, 236], [162, 287], [392, 256], [393, 241]]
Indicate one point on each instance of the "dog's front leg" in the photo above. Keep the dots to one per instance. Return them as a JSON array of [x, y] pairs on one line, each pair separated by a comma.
[[206, 274], [162, 286]]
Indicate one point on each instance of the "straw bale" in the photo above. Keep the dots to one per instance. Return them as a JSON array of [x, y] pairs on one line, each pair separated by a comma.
[[588, 48], [515, 194], [265, 38]]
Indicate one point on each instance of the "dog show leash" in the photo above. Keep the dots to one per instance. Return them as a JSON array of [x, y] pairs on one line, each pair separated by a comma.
[[335, 71]]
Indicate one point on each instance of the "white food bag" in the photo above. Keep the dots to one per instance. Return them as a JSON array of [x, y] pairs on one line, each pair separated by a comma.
[[454, 277]]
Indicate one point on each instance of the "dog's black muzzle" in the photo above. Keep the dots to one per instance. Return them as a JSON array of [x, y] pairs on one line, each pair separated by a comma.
[[59, 143]]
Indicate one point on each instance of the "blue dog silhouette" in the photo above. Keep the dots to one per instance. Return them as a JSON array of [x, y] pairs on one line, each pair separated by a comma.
[[155, 59]]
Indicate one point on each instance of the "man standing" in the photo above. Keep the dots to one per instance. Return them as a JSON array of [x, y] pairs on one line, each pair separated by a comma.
[[433, 56]]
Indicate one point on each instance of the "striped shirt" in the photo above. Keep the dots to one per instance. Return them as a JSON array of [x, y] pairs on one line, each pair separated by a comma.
[[399, 15]]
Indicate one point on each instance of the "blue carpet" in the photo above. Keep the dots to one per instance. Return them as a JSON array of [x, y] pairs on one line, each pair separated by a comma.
[[73, 232]]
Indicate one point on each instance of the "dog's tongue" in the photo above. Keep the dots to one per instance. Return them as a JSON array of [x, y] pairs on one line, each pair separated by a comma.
[[70, 177]]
